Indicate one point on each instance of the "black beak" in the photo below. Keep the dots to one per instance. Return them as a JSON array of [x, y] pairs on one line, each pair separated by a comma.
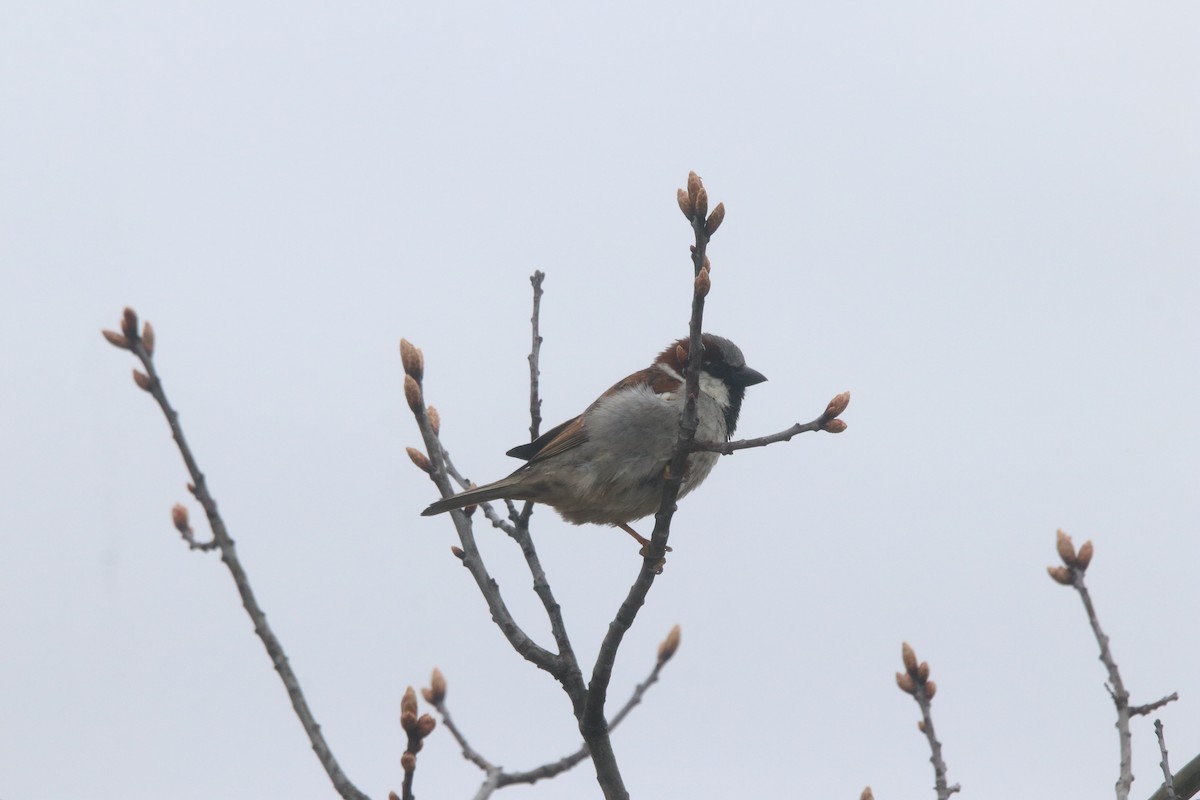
[[748, 377]]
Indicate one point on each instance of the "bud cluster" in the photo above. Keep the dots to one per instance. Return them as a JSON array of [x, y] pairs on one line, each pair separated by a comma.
[[415, 727], [693, 202], [130, 339], [915, 677], [1074, 563], [829, 419]]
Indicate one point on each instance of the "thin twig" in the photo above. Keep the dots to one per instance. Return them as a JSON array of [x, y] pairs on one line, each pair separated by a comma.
[[497, 778], [1186, 781], [489, 510], [1146, 710], [727, 448], [1118, 692], [199, 488], [935, 747], [535, 402], [472, 559], [1168, 783]]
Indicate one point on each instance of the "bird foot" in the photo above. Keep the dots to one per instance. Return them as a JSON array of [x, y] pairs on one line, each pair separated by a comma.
[[642, 540]]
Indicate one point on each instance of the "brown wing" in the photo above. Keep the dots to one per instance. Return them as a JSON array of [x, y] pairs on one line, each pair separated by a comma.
[[556, 440], [572, 434]]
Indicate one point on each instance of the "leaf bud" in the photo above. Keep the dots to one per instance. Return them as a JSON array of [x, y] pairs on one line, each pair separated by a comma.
[[1061, 574], [837, 405], [425, 725], [930, 689], [420, 459], [909, 657], [701, 203], [179, 518], [129, 322], [458, 552], [1066, 550], [1085, 555], [437, 686], [867, 794], [715, 219], [412, 359], [435, 419], [141, 379], [412, 393], [116, 339], [669, 645], [693, 188], [923, 671], [685, 202], [408, 762], [408, 704], [905, 682], [703, 283], [148, 338]]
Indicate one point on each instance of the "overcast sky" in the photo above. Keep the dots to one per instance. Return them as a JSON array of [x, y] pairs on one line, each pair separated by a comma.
[[981, 218]]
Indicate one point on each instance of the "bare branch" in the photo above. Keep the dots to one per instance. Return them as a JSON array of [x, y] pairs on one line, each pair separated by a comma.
[[1168, 783], [141, 345], [535, 402], [1186, 782], [1146, 710]]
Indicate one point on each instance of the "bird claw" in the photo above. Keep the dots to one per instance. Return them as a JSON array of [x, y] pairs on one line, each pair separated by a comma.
[[658, 564]]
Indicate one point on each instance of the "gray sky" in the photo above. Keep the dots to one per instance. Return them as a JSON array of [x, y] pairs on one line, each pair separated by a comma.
[[981, 218]]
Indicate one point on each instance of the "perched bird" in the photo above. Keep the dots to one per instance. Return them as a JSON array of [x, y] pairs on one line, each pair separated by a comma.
[[607, 465]]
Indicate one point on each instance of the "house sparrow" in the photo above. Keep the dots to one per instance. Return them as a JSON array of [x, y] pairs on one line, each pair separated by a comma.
[[607, 465]]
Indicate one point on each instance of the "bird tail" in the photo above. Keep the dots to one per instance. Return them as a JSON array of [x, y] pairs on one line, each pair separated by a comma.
[[506, 489]]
